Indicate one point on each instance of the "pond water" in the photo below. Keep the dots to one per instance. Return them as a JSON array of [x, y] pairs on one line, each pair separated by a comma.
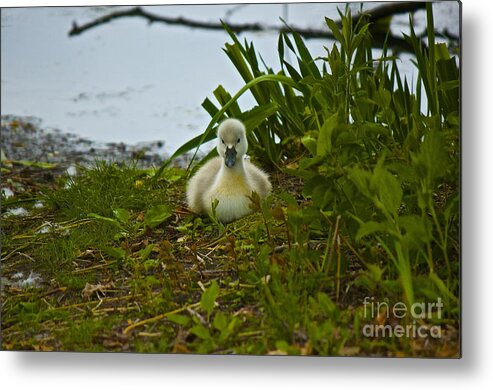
[[129, 81]]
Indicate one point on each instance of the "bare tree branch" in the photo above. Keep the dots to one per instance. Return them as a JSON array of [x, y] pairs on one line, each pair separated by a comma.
[[373, 16], [152, 18], [390, 9]]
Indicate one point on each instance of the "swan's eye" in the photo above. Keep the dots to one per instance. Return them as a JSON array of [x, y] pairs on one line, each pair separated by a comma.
[[238, 141], [223, 142]]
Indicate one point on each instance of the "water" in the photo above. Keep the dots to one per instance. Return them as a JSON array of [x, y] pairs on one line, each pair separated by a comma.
[[130, 82]]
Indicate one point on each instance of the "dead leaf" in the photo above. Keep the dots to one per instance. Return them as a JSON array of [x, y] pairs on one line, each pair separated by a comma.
[[90, 289]]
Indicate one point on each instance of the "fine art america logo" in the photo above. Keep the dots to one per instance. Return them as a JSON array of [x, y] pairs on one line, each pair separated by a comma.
[[383, 313]]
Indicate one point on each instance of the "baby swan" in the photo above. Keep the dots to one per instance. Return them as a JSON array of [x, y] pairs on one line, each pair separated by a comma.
[[229, 178]]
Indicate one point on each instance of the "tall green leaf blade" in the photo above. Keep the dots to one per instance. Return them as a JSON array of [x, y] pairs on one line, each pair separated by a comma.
[[335, 31], [209, 296], [223, 97], [257, 115]]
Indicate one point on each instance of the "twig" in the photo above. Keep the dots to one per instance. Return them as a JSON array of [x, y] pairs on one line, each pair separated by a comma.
[[334, 238], [15, 251], [159, 317], [373, 16], [92, 268], [164, 315], [391, 9], [198, 316], [59, 289], [152, 18]]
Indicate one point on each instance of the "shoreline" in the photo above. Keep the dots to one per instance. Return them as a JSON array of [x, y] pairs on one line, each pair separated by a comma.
[[24, 139]]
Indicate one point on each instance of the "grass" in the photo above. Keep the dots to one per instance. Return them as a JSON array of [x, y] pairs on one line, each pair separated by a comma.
[[185, 284], [365, 209]]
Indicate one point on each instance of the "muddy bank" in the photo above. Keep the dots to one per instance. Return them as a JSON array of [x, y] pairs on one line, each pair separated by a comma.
[[23, 138]]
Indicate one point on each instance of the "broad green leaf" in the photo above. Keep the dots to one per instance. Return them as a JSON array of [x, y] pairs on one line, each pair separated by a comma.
[[121, 215], [361, 179], [313, 183], [115, 252], [387, 188], [200, 331], [418, 229], [220, 321], [432, 160], [390, 192], [310, 143], [209, 297], [324, 144], [179, 319], [403, 170], [157, 215], [371, 227], [144, 253]]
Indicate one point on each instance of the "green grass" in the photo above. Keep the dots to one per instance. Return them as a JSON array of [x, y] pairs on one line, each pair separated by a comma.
[[103, 189], [259, 285], [366, 204]]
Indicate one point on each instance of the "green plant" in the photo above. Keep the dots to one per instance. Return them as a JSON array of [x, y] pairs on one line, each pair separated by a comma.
[[379, 174]]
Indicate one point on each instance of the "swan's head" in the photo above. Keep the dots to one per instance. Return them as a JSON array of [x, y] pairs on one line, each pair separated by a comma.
[[231, 141]]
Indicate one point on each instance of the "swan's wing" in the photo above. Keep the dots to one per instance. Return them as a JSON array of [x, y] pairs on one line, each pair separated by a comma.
[[259, 180], [199, 184]]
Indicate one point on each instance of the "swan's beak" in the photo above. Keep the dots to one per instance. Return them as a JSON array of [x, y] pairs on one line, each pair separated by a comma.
[[230, 157]]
